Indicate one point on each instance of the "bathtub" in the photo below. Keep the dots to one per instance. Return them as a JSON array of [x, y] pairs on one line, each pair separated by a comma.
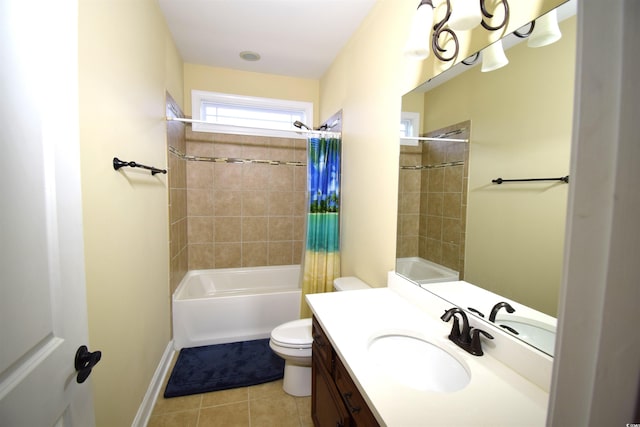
[[234, 304], [421, 271]]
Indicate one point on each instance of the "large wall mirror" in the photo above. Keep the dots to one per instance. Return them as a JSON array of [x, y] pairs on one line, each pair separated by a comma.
[[506, 239]]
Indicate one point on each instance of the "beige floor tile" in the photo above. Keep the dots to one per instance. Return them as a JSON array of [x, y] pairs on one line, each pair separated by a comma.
[[224, 397], [270, 389], [175, 419], [274, 412], [175, 404], [304, 411], [232, 415]]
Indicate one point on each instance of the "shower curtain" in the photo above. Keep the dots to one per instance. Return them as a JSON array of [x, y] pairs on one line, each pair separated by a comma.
[[321, 261]]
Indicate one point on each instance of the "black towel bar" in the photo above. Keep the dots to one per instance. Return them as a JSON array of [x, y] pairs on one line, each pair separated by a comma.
[[117, 164], [564, 179]]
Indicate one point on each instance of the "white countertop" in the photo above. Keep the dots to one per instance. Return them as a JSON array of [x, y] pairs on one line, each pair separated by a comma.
[[495, 396]]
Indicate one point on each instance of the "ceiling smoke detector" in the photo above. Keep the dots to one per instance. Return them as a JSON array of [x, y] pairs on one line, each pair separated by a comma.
[[247, 55]]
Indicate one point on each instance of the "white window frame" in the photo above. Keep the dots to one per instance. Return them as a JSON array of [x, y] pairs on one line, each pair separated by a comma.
[[414, 119], [199, 96]]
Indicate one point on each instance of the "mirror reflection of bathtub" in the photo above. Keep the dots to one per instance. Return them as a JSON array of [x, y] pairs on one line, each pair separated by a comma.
[[422, 271]]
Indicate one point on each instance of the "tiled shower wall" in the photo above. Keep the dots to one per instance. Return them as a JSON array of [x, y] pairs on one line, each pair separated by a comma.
[[179, 251], [432, 203], [244, 214]]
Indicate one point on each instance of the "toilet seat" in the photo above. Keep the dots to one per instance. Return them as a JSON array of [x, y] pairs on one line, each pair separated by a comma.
[[294, 334]]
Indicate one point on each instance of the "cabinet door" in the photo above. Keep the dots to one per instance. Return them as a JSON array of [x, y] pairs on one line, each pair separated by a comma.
[[322, 346], [355, 403], [327, 408]]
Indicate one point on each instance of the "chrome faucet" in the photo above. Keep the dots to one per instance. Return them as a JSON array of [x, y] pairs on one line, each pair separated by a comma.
[[497, 307], [467, 338]]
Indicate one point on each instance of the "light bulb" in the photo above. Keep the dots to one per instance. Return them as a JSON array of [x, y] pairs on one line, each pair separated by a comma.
[[417, 46], [493, 57], [465, 15], [546, 30]]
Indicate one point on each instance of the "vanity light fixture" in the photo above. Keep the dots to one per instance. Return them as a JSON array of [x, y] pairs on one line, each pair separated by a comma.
[[545, 30], [417, 46], [493, 57], [541, 32], [462, 16]]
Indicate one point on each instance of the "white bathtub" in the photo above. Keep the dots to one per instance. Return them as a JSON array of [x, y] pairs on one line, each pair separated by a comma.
[[234, 304], [421, 271]]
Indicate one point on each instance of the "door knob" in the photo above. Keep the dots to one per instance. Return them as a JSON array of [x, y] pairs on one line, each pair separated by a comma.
[[84, 361]]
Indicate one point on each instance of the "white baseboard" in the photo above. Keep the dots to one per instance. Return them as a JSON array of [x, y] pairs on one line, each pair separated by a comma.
[[155, 387]]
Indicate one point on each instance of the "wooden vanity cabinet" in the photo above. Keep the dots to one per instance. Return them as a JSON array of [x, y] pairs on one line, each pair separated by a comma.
[[335, 399]]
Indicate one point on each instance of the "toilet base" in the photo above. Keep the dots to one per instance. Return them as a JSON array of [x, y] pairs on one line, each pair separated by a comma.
[[297, 379]]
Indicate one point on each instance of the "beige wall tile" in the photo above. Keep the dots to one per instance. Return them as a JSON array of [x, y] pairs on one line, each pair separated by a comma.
[[228, 176], [232, 204], [255, 229], [280, 228], [255, 254], [199, 202], [227, 229], [227, 255], [280, 253], [255, 177], [452, 205], [255, 203], [280, 203], [200, 175], [453, 179], [281, 178], [201, 256], [200, 229], [227, 203]]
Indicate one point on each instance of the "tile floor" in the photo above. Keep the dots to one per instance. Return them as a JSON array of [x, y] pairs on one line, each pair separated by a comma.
[[263, 405]]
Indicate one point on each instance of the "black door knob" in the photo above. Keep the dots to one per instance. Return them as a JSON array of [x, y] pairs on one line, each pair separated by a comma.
[[84, 361]]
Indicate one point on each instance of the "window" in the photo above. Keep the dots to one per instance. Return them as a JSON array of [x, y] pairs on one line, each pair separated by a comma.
[[237, 114], [409, 126]]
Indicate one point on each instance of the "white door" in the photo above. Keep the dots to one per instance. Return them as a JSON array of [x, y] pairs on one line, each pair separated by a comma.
[[43, 318]]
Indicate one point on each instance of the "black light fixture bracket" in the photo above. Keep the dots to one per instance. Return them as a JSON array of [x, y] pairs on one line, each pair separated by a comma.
[[442, 34]]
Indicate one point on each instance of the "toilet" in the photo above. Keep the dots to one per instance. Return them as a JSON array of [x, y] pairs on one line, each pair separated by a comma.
[[292, 342]]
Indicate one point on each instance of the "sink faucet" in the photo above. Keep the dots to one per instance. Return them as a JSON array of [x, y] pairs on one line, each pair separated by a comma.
[[467, 338], [456, 334], [497, 307]]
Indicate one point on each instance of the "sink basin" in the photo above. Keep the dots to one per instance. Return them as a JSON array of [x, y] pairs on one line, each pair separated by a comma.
[[536, 333], [418, 363]]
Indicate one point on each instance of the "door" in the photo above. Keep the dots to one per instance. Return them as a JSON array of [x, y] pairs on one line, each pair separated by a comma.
[[43, 319]]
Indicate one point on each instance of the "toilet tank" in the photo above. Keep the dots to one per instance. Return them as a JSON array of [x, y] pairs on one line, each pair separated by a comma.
[[349, 284]]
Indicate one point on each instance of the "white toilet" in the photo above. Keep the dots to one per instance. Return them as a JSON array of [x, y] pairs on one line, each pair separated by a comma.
[[292, 341]]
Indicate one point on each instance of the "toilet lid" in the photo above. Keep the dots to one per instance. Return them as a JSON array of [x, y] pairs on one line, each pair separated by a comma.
[[296, 333]]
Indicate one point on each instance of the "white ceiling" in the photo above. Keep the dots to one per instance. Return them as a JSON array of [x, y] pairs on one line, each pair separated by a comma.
[[298, 38]]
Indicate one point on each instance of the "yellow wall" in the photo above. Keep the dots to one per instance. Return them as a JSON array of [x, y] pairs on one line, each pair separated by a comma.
[[521, 118], [366, 81], [126, 62], [225, 80]]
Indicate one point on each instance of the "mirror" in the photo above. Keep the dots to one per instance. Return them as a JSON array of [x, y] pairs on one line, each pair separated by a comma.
[[506, 240]]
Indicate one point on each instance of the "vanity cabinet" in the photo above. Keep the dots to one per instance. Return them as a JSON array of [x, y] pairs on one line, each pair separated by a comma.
[[335, 399]]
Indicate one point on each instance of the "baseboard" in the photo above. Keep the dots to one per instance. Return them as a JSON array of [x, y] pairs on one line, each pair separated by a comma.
[[155, 387]]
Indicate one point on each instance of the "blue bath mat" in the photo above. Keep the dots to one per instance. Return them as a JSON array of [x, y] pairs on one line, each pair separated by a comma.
[[223, 366]]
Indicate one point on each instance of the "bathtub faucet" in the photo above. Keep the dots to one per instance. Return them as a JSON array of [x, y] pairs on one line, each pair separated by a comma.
[[467, 338]]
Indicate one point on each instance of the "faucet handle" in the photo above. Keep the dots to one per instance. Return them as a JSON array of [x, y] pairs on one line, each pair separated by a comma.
[[476, 344], [456, 334], [455, 329]]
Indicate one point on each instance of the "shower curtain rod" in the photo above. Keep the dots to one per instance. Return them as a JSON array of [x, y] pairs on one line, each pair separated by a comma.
[[424, 138], [184, 120]]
